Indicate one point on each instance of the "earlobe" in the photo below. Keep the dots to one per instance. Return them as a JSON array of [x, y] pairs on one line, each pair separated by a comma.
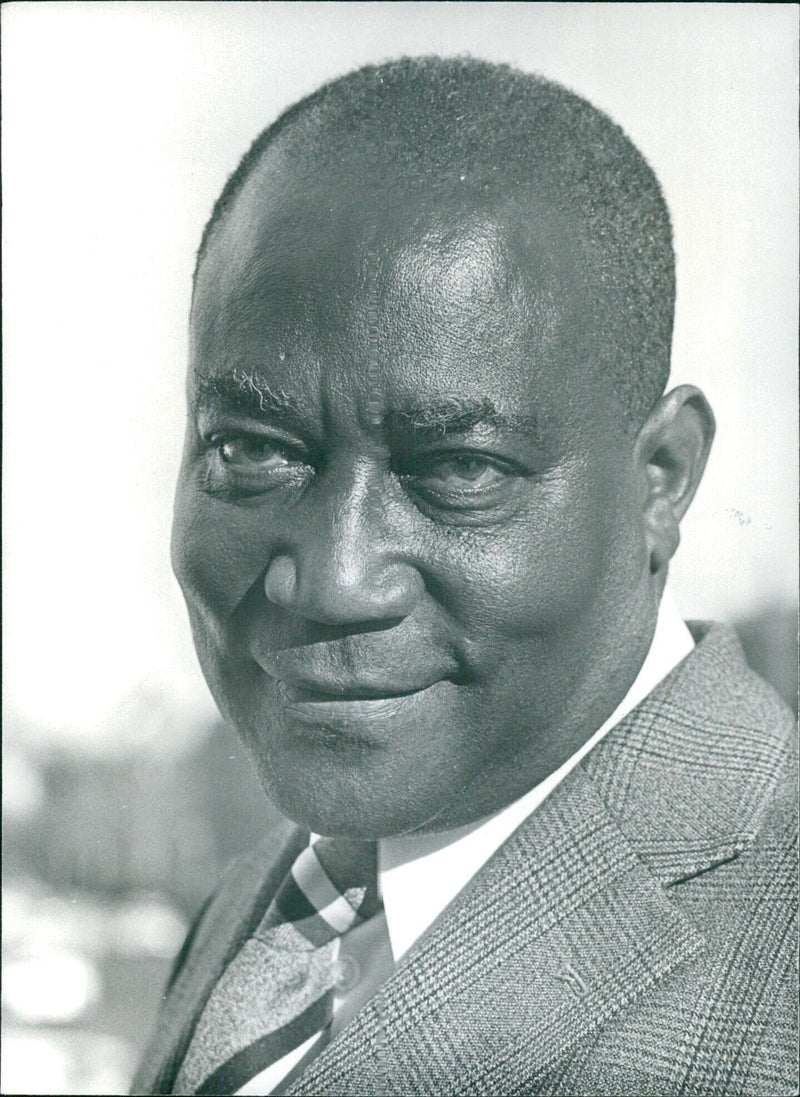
[[671, 453]]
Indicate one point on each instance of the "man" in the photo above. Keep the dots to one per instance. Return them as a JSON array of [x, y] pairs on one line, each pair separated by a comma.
[[430, 492]]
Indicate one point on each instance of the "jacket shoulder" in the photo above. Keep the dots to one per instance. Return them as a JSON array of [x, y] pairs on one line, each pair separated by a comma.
[[704, 782]]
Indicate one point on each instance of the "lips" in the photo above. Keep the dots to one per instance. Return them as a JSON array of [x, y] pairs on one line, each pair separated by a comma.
[[353, 668], [312, 690]]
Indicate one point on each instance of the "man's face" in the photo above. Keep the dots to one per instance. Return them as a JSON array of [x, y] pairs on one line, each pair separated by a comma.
[[406, 524]]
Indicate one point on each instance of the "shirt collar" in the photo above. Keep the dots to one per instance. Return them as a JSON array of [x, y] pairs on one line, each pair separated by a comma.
[[420, 875]]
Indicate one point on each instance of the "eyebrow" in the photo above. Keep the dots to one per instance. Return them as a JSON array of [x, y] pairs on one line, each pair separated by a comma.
[[458, 415], [249, 394]]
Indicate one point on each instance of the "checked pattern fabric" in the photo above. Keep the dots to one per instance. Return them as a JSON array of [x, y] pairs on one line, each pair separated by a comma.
[[278, 990]]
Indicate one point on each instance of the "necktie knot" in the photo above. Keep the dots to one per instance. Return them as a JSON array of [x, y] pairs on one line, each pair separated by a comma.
[[331, 887], [278, 990], [352, 867]]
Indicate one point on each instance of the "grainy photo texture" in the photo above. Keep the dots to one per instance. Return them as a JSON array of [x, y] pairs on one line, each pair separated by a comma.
[[483, 789]]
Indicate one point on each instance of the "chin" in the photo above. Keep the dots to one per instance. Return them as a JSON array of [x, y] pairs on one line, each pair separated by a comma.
[[339, 778], [368, 822], [341, 806]]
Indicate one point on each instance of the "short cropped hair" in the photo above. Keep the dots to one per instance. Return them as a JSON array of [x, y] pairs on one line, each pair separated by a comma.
[[509, 134]]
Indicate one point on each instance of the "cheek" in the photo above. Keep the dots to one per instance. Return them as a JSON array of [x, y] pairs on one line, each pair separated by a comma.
[[543, 571], [218, 551]]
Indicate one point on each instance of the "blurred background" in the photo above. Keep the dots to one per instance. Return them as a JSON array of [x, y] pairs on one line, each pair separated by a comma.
[[124, 795]]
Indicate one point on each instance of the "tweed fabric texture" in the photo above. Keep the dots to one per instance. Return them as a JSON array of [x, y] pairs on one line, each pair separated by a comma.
[[637, 934]]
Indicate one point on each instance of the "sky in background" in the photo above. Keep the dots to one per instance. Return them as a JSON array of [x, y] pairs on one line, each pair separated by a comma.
[[122, 121]]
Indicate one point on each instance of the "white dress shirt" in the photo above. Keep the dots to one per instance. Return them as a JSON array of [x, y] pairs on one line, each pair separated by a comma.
[[420, 876]]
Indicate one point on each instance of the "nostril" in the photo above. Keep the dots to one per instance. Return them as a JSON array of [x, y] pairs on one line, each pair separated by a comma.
[[323, 587], [401, 592], [280, 581]]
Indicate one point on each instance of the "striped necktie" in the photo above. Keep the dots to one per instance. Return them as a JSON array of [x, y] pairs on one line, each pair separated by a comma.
[[278, 990]]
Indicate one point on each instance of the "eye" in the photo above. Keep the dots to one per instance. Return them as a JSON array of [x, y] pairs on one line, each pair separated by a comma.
[[462, 471], [251, 454], [462, 480], [242, 464]]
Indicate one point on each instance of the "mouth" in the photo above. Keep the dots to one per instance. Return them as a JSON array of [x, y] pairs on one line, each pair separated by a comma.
[[307, 694], [348, 706], [303, 682], [355, 680]]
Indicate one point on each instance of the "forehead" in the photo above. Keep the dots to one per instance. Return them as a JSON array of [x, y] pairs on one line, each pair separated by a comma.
[[321, 281]]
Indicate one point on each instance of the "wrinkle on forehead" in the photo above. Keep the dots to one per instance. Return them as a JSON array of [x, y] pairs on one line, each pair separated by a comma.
[[461, 288]]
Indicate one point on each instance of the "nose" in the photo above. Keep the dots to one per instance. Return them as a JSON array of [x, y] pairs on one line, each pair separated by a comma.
[[345, 566]]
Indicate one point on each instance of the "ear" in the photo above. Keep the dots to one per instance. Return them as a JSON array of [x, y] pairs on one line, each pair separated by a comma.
[[671, 453]]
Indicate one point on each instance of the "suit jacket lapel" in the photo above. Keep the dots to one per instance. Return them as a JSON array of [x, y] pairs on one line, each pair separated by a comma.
[[564, 905], [570, 921], [230, 918], [566, 925], [688, 774]]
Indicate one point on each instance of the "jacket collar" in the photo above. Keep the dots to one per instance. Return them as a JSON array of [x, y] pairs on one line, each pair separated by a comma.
[[575, 901]]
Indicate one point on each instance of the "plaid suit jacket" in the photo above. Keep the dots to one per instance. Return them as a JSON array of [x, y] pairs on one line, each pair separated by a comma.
[[636, 935]]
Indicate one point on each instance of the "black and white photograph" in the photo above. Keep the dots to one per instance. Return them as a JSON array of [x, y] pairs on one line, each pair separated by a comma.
[[400, 570]]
